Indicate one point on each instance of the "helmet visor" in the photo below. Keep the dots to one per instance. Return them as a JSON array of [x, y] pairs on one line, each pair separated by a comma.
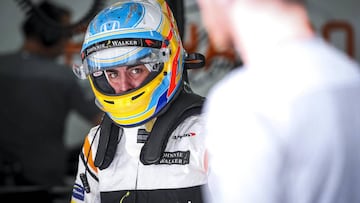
[[121, 57]]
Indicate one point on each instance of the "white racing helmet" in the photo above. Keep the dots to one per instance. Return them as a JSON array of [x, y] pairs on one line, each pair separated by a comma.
[[133, 33]]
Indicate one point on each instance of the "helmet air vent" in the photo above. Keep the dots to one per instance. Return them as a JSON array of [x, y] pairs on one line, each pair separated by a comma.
[[137, 96], [110, 102]]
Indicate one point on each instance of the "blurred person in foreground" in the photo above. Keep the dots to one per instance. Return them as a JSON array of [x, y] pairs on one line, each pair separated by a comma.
[[38, 95], [285, 127], [149, 146]]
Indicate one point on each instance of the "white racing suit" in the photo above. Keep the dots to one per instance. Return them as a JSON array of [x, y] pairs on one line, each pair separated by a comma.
[[180, 176]]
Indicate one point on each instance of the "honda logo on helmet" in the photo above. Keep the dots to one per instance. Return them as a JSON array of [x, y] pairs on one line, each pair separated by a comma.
[[110, 25]]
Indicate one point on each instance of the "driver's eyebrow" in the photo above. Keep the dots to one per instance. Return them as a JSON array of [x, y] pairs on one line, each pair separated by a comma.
[[131, 66], [115, 70], [112, 70]]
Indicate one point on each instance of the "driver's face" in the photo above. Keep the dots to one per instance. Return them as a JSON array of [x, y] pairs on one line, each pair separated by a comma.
[[126, 78]]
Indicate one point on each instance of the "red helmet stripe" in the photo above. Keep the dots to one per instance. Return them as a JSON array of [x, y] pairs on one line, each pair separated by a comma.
[[169, 14], [170, 35], [174, 73]]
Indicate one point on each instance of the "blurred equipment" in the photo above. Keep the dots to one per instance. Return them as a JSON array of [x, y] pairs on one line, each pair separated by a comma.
[[55, 28]]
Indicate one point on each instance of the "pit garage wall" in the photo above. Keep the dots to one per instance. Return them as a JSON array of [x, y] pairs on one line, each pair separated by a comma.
[[336, 21]]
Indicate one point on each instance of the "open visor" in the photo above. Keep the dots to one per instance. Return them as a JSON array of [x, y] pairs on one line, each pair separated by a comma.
[[119, 57]]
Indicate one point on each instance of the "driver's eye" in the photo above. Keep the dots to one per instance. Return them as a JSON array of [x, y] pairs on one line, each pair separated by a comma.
[[135, 70], [112, 74]]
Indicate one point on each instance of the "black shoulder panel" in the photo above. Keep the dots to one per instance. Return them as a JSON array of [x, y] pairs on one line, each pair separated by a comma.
[[108, 141], [185, 105]]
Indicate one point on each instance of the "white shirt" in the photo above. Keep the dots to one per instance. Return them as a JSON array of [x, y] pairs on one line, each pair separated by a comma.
[[286, 129], [126, 172]]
